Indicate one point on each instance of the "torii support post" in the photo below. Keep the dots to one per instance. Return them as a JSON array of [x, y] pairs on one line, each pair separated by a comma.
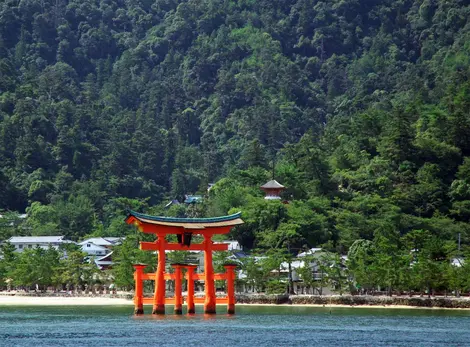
[[189, 277], [139, 288], [230, 275], [178, 289], [159, 297], [210, 301]]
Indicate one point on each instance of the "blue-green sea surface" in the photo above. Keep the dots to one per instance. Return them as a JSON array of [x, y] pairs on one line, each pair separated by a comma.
[[251, 326]]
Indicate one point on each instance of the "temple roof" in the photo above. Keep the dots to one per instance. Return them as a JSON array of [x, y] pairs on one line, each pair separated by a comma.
[[192, 199], [38, 239], [273, 184], [188, 223]]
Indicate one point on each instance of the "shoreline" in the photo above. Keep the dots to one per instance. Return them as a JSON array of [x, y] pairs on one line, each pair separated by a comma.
[[401, 307], [22, 300], [328, 302]]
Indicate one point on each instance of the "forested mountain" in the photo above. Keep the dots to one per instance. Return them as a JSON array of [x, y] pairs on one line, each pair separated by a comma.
[[364, 106]]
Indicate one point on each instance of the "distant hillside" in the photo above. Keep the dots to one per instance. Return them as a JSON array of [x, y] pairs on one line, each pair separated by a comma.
[[106, 104]]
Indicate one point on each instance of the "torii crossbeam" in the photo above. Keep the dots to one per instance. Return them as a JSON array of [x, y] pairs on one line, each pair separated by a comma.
[[184, 228]]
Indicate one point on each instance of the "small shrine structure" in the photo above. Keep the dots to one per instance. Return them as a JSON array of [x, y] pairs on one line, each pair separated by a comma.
[[184, 229], [273, 190]]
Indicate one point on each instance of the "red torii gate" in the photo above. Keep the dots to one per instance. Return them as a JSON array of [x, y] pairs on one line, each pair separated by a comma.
[[184, 228]]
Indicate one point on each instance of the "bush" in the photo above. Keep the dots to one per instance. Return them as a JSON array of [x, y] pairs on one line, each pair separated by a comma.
[[276, 287]]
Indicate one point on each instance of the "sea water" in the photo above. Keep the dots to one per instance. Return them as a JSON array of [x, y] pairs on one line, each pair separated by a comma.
[[251, 326]]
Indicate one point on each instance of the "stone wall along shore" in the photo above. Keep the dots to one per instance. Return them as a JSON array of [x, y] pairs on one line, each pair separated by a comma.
[[349, 300]]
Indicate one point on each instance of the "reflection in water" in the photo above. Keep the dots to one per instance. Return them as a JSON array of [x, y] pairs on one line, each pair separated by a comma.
[[209, 316]]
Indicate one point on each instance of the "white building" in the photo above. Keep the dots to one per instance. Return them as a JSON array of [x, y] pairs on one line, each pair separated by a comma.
[[101, 249], [24, 242], [458, 262], [310, 252], [20, 216], [94, 250], [107, 242]]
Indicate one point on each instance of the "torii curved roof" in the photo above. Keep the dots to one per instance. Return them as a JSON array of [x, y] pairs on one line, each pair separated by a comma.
[[187, 223]]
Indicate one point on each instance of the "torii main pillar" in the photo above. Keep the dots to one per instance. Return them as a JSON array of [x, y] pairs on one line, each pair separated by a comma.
[[209, 287], [159, 295], [184, 228]]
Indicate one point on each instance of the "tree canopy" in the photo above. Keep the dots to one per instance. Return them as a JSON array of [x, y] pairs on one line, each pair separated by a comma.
[[361, 107]]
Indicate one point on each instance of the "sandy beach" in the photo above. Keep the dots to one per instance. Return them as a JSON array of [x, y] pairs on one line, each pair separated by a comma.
[[61, 301], [95, 301]]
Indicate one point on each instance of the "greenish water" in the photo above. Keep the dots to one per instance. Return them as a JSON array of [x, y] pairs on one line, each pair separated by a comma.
[[251, 326]]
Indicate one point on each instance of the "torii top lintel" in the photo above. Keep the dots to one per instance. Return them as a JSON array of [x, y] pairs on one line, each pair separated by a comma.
[[170, 225]]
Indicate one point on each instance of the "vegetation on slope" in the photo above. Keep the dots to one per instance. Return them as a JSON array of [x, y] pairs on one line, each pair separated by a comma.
[[364, 106]]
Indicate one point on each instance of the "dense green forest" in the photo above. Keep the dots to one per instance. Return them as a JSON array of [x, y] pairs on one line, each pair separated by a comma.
[[363, 107]]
